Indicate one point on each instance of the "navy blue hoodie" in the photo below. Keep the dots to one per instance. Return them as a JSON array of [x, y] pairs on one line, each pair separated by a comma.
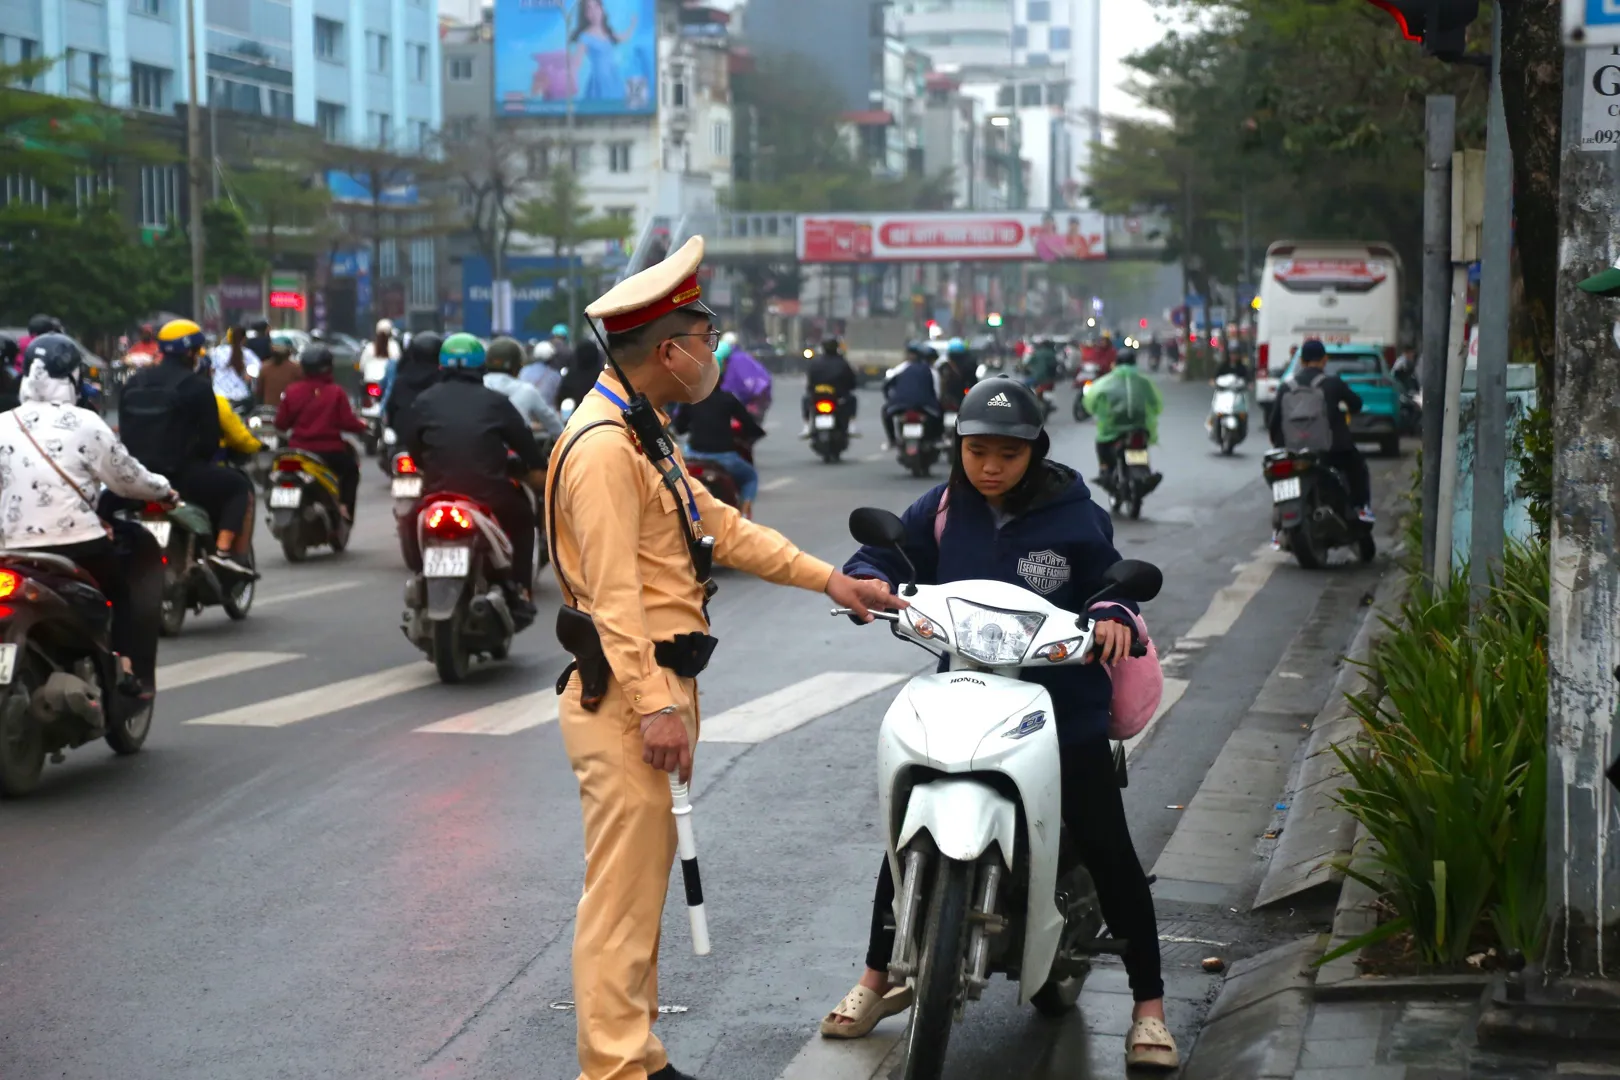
[[1059, 547]]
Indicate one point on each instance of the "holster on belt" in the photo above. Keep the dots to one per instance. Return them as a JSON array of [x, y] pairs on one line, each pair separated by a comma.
[[576, 632], [687, 655]]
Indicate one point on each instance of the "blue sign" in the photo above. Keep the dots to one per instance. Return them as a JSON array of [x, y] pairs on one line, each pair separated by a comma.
[[1603, 12], [589, 57], [356, 188], [534, 281], [348, 264]]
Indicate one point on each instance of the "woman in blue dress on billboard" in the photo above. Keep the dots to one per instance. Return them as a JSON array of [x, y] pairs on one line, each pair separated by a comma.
[[595, 40]]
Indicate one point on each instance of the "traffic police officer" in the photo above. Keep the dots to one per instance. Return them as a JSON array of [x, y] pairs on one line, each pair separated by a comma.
[[627, 534]]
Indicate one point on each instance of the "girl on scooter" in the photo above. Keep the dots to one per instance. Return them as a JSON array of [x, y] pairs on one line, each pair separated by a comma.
[[1010, 514]]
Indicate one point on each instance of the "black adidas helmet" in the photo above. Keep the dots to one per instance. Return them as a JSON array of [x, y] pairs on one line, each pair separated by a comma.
[[1001, 406]]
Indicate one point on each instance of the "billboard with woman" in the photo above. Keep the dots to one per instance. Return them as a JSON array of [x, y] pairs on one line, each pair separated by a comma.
[[601, 56]]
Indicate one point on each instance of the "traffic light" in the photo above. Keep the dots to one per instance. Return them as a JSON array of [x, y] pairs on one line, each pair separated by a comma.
[[994, 320], [1440, 25], [1143, 323]]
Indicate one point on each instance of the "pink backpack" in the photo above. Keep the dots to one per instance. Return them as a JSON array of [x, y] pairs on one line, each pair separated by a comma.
[[1138, 680]]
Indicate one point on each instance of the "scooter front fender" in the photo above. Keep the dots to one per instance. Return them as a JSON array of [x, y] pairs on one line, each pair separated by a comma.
[[443, 597], [963, 817]]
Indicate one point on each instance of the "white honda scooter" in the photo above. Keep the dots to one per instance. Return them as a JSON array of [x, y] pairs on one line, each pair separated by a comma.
[[970, 797]]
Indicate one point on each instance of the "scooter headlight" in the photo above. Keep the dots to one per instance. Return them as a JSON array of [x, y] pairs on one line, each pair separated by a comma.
[[991, 636]]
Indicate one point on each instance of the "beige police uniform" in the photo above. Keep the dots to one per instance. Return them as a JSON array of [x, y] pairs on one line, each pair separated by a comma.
[[620, 546]]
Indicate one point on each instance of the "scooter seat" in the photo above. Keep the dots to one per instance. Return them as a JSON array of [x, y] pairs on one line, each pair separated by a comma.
[[48, 563]]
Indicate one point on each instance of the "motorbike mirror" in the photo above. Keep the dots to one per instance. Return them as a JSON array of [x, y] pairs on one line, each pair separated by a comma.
[[1130, 579], [876, 528]]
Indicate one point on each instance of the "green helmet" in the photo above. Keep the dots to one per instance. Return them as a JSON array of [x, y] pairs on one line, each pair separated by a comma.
[[506, 355], [463, 351]]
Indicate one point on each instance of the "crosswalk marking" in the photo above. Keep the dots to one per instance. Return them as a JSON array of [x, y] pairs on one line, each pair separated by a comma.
[[794, 706], [778, 484], [501, 718], [217, 666], [305, 594], [322, 700]]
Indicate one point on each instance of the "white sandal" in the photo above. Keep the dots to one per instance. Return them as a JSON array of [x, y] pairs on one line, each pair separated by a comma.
[[1151, 1046], [862, 1008]]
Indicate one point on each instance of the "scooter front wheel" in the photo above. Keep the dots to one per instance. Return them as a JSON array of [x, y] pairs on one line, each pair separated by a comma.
[[939, 973]]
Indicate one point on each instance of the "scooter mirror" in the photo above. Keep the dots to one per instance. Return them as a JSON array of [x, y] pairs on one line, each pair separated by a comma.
[[1132, 579], [876, 528]]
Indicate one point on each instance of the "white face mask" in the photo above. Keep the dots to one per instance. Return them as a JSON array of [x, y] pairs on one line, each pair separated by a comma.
[[708, 379]]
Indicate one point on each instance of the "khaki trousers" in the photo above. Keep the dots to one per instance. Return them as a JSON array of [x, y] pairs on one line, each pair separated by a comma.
[[629, 850]]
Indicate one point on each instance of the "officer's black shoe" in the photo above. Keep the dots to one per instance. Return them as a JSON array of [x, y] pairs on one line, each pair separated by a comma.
[[669, 1072]]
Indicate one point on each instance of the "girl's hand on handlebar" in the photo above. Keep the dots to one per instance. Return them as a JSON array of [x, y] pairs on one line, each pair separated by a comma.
[[861, 595], [1112, 641]]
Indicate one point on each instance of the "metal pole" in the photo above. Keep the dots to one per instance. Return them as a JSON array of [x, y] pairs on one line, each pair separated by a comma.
[[1583, 819], [1442, 127], [1490, 386], [568, 140], [1451, 403], [194, 159]]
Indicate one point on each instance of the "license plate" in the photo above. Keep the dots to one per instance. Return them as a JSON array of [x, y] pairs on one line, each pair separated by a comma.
[[286, 498], [1285, 490], [826, 423], [8, 663], [159, 531], [911, 431], [408, 487], [1226, 402], [1136, 457], [444, 562]]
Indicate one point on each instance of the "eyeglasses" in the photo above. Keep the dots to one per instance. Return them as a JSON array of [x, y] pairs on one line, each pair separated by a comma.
[[712, 338]]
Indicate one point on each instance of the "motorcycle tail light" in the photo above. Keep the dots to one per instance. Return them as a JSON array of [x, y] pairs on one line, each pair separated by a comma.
[[1137, 440], [373, 390], [404, 465], [1283, 468], [824, 407], [289, 465], [449, 520], [1262, 363], [153, 509], [8, 583]]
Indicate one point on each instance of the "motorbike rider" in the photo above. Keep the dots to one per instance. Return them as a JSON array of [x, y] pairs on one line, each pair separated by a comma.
[[37, 326], [1123, 401], [1340, 402], [957, 373], [709, 431], [169, 419], [503, 358], [744, 376], [460, 432], [1042, 365], [542, 373], [145, 349], [416, 371], [56, 455], [258, 340], [232, 375], [913, 386], [316, 411], [830, 367], [1006, 498], [277, 373], [1233, 364], [580, 373]]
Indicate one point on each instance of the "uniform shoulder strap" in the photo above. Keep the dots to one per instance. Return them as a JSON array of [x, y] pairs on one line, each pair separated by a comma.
[[551, 503]]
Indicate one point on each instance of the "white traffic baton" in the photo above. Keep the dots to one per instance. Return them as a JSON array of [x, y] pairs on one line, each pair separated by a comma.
[[686, 842]]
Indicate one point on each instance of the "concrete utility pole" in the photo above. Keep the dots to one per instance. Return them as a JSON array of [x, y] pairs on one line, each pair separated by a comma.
[[194, 163], [1583, 820], [1442, 129], [1495, 299]]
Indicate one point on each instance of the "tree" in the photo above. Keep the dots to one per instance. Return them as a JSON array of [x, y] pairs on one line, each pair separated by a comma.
[[286, 205], [1303, 116], [561, 217], [489, 163], [229, 250], [61, 152]]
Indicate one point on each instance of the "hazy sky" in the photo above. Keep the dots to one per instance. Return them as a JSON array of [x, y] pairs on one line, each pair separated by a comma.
[[1127, 27]]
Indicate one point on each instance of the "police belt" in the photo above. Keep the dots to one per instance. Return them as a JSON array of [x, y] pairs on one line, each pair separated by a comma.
[[687, 656]]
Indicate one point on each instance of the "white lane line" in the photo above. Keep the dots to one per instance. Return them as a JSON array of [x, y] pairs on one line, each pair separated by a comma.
[[778, 484], [305, 594], [323, 700], [218, 666], [1228, 603], [879, 456], [794, 706], [502, 718]]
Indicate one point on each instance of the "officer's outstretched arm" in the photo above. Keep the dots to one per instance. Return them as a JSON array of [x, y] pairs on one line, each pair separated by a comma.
[[755, 549], [601, 501]]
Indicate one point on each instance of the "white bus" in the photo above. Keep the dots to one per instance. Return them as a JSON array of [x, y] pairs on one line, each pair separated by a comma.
[[1342, 292]]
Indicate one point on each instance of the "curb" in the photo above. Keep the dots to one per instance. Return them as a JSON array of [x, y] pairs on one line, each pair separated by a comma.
[[1256, 1029], [1317, 834]]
